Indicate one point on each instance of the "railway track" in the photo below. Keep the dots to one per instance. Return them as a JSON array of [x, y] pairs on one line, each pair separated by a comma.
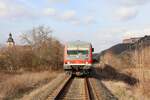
[[100, 91], [74, 88], [77, 88]]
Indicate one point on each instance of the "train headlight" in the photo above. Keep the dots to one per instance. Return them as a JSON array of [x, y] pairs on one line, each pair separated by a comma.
[[68, 62]]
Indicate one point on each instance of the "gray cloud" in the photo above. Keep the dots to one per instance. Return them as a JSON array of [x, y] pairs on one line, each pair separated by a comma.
[[137, 32], [49, 12], [126, 13], [58, 1], [69, 16], [133, 2], [105, 38], [13, 10], [19, 9], [128, 8], [89, 20]]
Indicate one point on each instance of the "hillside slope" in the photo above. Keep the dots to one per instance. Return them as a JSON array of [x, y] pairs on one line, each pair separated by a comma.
[[122, 62], [128, 55]]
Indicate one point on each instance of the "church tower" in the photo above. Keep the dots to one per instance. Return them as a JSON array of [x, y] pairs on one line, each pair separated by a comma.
[[10, 41]]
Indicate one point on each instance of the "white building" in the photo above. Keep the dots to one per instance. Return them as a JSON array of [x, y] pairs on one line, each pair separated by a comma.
[[131, 40]]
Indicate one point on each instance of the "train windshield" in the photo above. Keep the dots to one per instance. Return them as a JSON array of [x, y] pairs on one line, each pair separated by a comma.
[[83, 52], [75, 52], [72, 52]]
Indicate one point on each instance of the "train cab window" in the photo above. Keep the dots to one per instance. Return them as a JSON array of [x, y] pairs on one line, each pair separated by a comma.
[[72, 52], [75, 52]]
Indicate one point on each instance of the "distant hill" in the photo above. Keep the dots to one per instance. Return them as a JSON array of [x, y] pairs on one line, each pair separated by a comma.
[[119, 48], [126, 55]]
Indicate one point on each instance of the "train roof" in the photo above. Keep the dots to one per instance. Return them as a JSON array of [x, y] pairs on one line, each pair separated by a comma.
[[78, 43]]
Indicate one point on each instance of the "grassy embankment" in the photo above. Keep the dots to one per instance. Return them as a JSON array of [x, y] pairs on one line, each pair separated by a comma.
[[27, 67], [15, 85], [123, 63]]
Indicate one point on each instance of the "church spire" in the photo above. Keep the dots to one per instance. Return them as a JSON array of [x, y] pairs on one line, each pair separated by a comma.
[[10, 41]]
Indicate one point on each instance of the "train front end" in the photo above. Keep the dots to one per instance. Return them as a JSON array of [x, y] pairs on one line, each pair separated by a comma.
[[78, 58]]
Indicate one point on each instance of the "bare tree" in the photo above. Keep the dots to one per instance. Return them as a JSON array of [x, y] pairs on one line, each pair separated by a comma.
[[48, 51], [37, 35]]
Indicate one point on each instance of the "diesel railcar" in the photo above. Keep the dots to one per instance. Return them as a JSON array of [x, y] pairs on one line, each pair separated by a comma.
[[78, 58]]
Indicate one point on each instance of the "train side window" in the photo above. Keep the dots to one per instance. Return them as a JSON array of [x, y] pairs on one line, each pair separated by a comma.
[[92, 49]]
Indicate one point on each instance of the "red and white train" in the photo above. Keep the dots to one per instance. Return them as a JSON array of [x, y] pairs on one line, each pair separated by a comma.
[[78, 58]]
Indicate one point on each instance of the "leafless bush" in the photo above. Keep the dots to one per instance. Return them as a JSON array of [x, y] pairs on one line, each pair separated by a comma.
[[47, 50], [40, 52]]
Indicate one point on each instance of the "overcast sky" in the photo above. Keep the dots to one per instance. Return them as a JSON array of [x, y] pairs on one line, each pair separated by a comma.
[[102, 22]]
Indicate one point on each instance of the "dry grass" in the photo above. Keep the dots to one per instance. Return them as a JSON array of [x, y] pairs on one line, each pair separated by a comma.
[[4, 76], [140, 91], [143, 87], [19, 84]]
